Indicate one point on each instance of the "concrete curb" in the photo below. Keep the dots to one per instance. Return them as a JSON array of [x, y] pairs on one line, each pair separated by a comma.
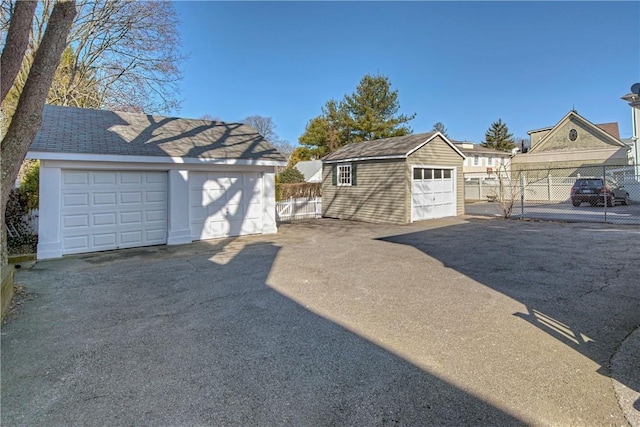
[[625, 366]]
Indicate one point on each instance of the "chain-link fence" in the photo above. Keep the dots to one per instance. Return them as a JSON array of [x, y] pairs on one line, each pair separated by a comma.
[[601, 193]]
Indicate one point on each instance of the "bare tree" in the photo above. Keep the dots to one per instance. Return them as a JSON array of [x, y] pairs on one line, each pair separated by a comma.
[[127, 50], [512, 185], [28, 114], [210, 118], [264, 125], [16, 45], [284, 147]]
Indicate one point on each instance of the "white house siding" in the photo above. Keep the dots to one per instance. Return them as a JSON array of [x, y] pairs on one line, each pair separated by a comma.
[[378, 195], [177, 228]]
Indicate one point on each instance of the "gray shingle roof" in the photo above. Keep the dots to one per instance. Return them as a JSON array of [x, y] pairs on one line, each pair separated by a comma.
[[397, 147], [309, 168], [86, 131], [478, 149]]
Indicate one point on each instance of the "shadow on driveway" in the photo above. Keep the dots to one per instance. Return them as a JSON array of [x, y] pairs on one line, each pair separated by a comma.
[[584, 290], [175, 337]]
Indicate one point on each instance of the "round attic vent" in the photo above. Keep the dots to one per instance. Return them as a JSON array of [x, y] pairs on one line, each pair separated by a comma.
[[573, 134]]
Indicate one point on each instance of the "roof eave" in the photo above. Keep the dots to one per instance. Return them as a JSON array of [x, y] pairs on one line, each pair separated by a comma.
[[357, 159], [119, 158]]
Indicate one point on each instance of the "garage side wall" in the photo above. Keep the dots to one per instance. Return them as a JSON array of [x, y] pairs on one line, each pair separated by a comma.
[[436, 153], [378, 196]]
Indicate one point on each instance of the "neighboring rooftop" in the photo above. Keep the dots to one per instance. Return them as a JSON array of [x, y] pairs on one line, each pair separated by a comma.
[[472, 148], [310, 169], [87, 131], [611, 129]]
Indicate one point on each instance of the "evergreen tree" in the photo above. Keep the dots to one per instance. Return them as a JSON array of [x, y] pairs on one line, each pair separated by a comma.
[[498, 137], [290, 175], [301, 154], [439, 127], [371, 112], [315, 139]]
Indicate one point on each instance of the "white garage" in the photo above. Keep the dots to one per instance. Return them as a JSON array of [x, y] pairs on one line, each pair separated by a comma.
[[224, 204], [110, 209], [432, 193], [111, 180]]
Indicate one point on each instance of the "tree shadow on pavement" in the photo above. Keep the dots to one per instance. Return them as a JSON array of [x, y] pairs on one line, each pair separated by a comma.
[[578, 282], [164, 339]]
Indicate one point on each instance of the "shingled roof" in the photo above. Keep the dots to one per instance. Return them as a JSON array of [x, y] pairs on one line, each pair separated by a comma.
[[387, 148], [86, 131], [478, 149]]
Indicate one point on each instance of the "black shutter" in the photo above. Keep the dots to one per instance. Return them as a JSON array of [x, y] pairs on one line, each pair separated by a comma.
[[334, 175], [354, 181]]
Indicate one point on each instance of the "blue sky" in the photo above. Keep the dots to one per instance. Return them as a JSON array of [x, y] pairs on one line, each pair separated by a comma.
[[465, 64]]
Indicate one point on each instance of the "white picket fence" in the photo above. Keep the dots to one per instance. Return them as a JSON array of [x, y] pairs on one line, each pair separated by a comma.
[[32, 220], [301, 208], [29, 225]]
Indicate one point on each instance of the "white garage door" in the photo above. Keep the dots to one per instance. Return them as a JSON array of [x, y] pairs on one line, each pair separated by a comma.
[[104, 210], [225, 204], [432, 193]]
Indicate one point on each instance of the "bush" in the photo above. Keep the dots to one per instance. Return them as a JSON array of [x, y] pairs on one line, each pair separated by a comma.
[[298, 190], [30, 186], [290, 176]]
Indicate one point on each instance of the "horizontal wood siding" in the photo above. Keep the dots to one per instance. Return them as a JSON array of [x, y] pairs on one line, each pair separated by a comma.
[[436, 153], [379, 196]]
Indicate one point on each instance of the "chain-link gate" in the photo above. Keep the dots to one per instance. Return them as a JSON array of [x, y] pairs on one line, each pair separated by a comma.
[[603, 193]]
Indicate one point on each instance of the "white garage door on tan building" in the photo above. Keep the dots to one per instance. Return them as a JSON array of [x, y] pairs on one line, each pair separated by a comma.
[[432, 193]]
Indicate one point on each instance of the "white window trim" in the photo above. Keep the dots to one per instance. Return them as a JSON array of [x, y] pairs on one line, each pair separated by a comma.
[[339, 174], [476, 160], [489, 160]]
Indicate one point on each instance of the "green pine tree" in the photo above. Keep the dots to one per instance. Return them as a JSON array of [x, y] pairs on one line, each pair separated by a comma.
[[371, 112], [498, 137], [439, 127]]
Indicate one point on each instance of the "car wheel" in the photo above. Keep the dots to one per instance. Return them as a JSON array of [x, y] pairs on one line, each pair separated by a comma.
[[593, 203], [625, 201], [611, 202], [575, 203]]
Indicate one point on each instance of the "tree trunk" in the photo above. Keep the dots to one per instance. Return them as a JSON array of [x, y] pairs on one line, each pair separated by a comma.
[[28, 115], [16, 44]]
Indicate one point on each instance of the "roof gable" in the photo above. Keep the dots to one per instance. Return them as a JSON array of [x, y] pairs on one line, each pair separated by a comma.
[[68, 130], [309, 168], [589, 136], [399, 147]]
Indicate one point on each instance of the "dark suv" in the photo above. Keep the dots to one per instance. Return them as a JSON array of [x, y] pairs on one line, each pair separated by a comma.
[[594, 191]]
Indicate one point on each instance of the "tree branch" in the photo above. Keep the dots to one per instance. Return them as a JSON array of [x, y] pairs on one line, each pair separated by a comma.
[[16, 44]]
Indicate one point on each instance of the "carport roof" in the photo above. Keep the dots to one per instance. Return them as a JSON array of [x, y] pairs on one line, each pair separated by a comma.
[[388, 148], [81, 131]]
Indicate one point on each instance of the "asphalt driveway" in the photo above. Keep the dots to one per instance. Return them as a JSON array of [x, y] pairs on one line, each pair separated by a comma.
[[561, 211], [462, 321]]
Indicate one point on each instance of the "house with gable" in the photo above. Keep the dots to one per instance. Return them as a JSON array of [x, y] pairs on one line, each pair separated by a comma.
[[483, 162], [395, 180], [573, 144]]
